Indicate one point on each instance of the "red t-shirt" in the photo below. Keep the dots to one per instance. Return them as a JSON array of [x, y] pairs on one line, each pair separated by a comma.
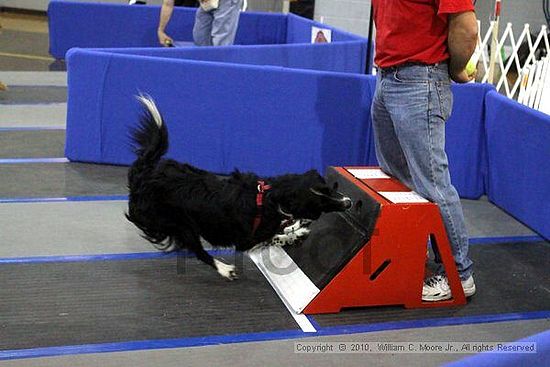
[[413, 30]]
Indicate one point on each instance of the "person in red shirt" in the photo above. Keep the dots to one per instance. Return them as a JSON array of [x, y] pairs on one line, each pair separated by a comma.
[[421, 45]]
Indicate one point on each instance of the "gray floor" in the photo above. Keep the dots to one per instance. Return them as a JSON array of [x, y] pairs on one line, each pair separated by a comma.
[[61, 227], [46, 116], [32, 144], [34, 95], [67, 228], [61, 180]]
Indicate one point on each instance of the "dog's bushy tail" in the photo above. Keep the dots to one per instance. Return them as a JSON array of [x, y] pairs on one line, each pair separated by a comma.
[[150, 139]]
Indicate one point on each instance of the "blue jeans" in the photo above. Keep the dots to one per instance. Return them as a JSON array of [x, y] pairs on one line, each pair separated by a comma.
[[217, 27], [409, 110]]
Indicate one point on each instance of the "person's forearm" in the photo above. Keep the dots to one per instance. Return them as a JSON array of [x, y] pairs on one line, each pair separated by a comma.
[[462, 40], [165, 14]]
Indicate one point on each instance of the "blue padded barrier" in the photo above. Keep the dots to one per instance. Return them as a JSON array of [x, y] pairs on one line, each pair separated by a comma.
[[347, 57], [97, 79], [519, 161], [299, 31], [508, 359], [110, 25], [220, 116], [465, 139], [98, 25]]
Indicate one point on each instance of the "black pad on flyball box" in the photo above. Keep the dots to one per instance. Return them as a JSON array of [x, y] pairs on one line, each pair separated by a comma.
[[335, 238]]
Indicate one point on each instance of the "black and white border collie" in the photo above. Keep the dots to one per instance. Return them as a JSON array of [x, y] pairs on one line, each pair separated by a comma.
[[176, 205]]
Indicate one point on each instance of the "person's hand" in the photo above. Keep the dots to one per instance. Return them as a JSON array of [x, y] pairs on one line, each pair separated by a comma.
[[463, 76], [165, 39]]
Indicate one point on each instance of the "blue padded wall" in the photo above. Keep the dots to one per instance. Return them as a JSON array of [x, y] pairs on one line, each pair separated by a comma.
[[98, 25], [519, 161], [110, 25], [465, 139], [98, 79], [261, 29], [220, 116], [299, 31], [348, 57]]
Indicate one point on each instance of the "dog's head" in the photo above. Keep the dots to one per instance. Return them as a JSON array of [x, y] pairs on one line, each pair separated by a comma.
[[307, 196]]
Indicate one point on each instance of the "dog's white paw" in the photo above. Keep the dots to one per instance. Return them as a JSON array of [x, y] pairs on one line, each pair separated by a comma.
[[226, 270], [291, 238], [305, 222], [299, 224], [291, 228], [279, 240], [302, 232]]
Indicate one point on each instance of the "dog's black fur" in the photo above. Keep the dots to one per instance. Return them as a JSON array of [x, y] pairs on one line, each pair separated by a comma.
[[175, 204]]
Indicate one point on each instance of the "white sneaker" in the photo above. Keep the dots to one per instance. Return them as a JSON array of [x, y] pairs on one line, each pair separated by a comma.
[[436, 288]]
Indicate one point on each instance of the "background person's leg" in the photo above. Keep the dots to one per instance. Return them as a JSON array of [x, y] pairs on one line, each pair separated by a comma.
[[226, 21], [202, 29]]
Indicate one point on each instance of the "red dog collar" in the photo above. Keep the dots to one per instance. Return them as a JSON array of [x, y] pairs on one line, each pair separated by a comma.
[[262, 188]]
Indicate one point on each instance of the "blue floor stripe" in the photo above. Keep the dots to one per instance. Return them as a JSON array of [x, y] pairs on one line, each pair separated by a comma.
[[109, 257], [68, 198], [263, 336], [446, 321], [506, 239], [32, 160]]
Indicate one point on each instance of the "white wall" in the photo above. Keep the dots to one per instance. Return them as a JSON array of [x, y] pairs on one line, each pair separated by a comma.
[[349, 15], [274, 6]]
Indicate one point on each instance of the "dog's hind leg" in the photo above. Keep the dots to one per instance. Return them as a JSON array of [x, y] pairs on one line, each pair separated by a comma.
[[186, 238], [225, 270]]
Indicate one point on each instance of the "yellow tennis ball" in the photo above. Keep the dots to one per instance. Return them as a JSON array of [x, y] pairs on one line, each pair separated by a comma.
[[470, 68]]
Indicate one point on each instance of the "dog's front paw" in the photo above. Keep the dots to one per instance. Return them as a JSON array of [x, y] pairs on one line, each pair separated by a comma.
[[279, 240], [302, 233], [305, 222], [225, 270], [297, 225], [291, 238], [291, 227]]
